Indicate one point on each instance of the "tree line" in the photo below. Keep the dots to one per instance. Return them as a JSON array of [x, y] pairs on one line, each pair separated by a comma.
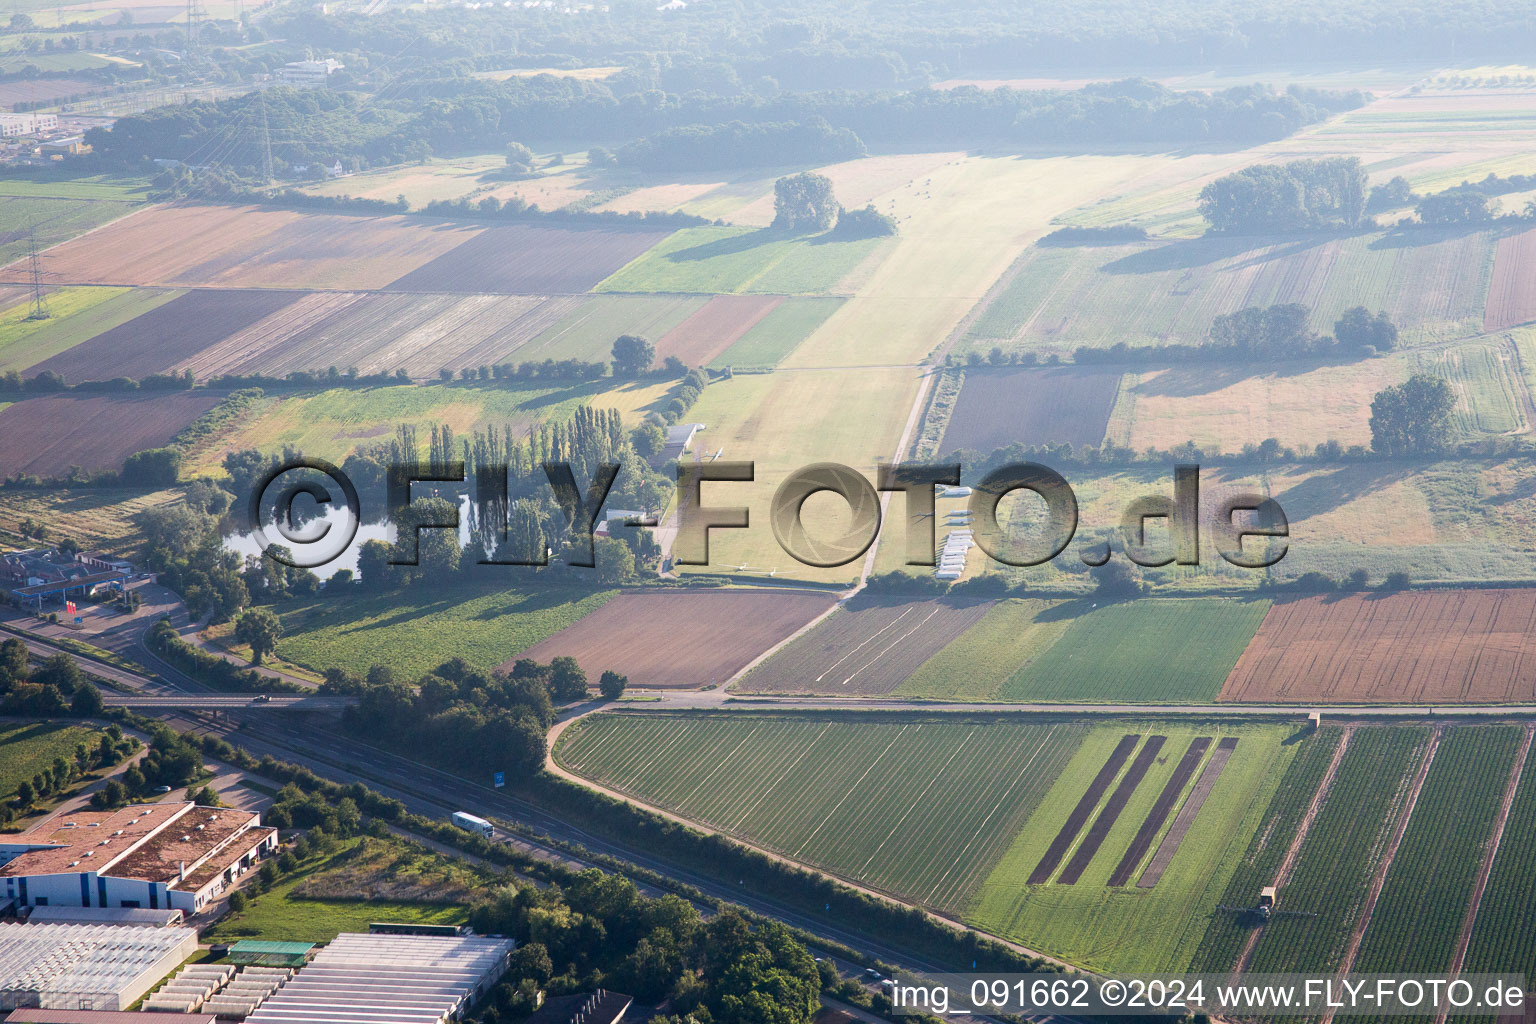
[[316, 127]]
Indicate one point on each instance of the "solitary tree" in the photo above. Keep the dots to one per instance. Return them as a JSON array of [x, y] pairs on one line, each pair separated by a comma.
[[1412, 418], [632, 355], [804, 202], [567, 682], [1358, 329], [519, 158], [611, 685], [261, 629]]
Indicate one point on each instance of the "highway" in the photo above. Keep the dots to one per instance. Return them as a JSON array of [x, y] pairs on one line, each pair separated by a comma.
[[314, 742], [225, 702]]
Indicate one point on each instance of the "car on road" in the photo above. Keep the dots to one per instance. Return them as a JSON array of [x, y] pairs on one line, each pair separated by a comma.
[[261, 698], [162, 789]]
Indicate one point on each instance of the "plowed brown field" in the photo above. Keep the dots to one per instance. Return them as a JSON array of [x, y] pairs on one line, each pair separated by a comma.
[[1512, 292], [681, 639], [168, 335], [997, 408], [715, 327], [381, 333], [868, 647], [1433, 646], [250, 247], [45, 436], [528, 259]]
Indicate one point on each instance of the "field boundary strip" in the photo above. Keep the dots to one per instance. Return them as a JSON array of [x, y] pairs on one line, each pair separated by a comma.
[[1491, 850], [1174, 838], [1159, 811], [1085, 805], [1099, 830], [1379, 879]]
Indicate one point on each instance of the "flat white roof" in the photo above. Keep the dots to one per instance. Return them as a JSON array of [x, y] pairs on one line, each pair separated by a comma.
[[83, 958], [382, 979]]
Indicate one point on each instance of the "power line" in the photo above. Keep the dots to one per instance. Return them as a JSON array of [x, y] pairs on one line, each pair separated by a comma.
[[39, 309]]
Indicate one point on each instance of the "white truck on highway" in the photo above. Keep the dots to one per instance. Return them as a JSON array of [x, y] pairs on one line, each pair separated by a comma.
[[472, 823]]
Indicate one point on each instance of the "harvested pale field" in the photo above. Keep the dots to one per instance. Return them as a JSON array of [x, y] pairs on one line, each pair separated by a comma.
[[1432, 283], [681, 639], [1512, 292], [382, 333], [859, 182], [525, 259], [547, 192], [1417, 647], [167, 335], [864, 648], [1052, 405], [1223, 407], [715, 327], [665, 198], [251, 247], [46, 436], [960, 227], [783, 422]]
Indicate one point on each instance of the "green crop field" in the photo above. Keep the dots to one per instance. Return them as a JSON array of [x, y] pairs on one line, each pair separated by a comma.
[[95, 186], [1491, 392], [332, 424], [1147, 650], [76, 60], [94, 517], [1504, 936], [977, 663], [737, 259], [28, 748], [1433, 285], [776, 335], [1424, 899], [1228, 932], [588, 331], [75, 315], [1340, 852], [51, 221], [920, 808], [416, 631], [1128, 928]]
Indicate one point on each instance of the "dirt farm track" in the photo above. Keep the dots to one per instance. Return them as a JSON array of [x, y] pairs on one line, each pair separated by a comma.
[[1431, 647]]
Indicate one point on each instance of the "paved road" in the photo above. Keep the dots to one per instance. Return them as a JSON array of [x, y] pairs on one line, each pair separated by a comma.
[[226, 702], [311, 740], [715, 700]]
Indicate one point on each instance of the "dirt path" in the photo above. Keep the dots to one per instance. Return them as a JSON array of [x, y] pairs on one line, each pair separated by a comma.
[[1380, 878], [1509, 352], [1459, 957], [1288, 862]]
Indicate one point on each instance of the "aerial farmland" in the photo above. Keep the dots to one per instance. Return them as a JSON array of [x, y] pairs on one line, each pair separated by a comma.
[[616, 322]]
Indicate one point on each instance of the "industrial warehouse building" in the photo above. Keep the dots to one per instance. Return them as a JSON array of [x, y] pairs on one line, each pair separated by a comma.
[[402, 979], [150, 856], [86, 966]]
